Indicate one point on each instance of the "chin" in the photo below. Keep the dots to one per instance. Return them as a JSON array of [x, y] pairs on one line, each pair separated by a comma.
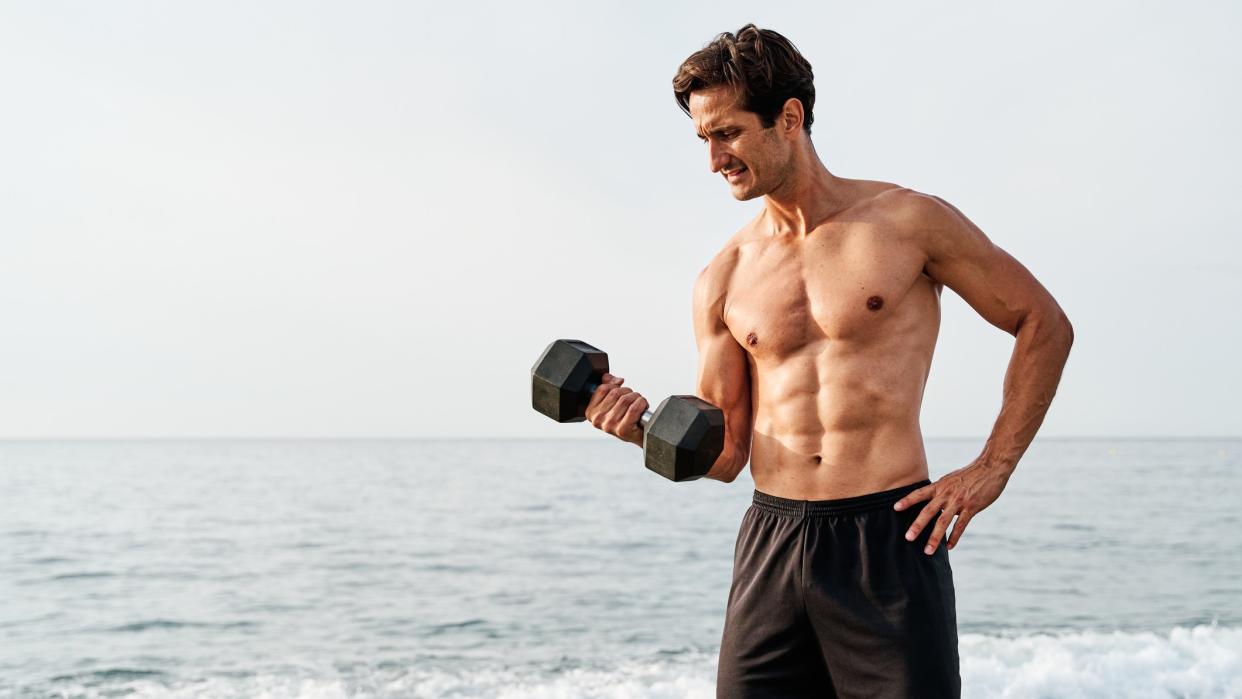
[[745, 194]]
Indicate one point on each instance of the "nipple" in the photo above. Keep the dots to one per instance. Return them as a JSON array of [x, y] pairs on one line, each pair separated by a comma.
[[875, 303], [752, 339]]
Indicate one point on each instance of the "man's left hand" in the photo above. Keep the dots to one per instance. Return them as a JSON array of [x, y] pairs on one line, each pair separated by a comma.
[[964, 493]]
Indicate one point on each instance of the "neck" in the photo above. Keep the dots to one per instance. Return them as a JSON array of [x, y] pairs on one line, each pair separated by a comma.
[[809, 195]]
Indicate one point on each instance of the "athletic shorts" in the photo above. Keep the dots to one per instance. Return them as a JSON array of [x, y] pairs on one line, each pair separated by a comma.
[[830, 600]]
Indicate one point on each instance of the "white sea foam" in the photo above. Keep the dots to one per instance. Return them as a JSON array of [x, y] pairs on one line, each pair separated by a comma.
[[1200, 662], [1203, 661]]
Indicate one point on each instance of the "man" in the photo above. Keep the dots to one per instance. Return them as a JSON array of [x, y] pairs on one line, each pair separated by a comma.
[[815, 326]]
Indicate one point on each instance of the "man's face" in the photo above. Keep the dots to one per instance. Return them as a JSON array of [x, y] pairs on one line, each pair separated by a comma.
[[752, 159]]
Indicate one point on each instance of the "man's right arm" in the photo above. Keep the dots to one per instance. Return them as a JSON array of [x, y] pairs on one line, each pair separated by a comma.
[[724, 373]]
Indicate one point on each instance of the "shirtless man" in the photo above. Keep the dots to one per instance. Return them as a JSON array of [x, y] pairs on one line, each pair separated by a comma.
[[815, 325]]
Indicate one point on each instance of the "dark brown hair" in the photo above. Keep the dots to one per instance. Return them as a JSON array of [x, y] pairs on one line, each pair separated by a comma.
[[764, 66]]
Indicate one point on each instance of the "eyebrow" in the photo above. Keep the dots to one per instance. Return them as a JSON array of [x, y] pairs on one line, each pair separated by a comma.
[[719, 130]]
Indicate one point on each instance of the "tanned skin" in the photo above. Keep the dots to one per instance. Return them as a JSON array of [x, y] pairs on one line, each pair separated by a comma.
[[816, 323]]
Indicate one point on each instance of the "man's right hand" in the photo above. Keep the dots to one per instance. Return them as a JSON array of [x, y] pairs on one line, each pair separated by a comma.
[[616, 410]]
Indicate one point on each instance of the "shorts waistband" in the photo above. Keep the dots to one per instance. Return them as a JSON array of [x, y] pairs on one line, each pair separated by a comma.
[[839, 506]]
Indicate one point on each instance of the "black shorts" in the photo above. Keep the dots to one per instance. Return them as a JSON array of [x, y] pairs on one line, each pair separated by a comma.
[[830, 600]]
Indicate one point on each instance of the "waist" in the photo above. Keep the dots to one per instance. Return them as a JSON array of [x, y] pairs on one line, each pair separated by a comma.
[[836, 506]]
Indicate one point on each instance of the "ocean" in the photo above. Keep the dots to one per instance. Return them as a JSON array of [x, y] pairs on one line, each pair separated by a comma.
[[564, 569]]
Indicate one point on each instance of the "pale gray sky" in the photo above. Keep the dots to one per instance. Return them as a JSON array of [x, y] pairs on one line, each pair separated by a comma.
[[368, 219]]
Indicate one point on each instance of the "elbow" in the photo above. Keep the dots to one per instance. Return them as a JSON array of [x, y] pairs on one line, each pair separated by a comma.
[[1065, 329], [726, 468], [1051, 323], [1060, 337], [721, 472]]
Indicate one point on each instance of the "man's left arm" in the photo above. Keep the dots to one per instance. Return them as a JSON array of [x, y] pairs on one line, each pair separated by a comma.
[[1008, 296]]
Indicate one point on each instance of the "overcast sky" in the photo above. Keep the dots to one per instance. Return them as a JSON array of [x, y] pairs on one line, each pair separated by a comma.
[[368, 219]]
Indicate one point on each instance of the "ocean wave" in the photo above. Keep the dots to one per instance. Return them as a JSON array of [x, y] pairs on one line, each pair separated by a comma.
[[1202, 661], [172, 624], [1185, 663], [84, 575]]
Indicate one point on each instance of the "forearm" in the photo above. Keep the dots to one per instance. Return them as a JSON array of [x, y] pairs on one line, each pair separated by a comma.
[[1041, 348]]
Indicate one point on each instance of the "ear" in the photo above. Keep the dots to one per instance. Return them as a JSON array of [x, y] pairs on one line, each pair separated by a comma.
[[791, 117]]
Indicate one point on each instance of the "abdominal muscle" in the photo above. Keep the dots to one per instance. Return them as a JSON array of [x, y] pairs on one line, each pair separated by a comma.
[[838, 421]]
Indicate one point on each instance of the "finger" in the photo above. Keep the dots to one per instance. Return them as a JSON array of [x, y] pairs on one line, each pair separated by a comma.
[[635, 411], [607, 382], [615, 417], [600, 391], [629, 422], [929, 510], [605, 398], [593, 402], [942, 523], [925, 493], [614, 396], [959, 527]]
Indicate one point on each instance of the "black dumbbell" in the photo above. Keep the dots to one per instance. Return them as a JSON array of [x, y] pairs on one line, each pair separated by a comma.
[[681, 439]]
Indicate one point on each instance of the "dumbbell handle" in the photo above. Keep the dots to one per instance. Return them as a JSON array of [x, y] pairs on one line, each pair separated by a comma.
[[642, 419]]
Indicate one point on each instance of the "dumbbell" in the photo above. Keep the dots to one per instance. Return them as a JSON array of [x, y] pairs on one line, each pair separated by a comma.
[[681, 439]]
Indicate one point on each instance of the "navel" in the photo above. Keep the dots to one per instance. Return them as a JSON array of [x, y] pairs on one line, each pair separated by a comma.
[[752, 339], [818, 459], [875, 303]]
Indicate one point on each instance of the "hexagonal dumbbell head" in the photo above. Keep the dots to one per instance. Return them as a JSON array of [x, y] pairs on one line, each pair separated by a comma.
[[684, 438], [564, 378]]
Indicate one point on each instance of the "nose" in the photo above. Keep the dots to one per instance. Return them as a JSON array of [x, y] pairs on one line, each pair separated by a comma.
[[718, 156]]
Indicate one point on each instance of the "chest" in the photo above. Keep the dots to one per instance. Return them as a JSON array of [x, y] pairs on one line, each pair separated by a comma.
[[786, 294]]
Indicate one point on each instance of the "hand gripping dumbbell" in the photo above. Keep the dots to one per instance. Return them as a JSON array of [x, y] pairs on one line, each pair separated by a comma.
[[681, 439]]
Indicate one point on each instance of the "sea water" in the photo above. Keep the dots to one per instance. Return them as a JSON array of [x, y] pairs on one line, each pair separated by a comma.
[[1108, 568]]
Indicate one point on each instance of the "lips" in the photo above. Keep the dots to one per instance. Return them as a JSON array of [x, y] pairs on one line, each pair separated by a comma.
[[734, 173]]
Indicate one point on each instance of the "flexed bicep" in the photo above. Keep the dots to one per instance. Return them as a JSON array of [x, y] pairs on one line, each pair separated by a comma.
[[724, 374]]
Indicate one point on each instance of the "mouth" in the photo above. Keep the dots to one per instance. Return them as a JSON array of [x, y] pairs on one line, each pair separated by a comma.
[[736, 173]]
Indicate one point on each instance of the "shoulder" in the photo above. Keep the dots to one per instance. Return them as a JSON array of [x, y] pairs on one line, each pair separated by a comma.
[[926, 220], [713, 280], [712, 284], [894, 207], [910, 209], [720, 268]]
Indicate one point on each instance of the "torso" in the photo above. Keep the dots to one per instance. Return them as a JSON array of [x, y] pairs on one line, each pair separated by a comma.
[[839, 329]]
